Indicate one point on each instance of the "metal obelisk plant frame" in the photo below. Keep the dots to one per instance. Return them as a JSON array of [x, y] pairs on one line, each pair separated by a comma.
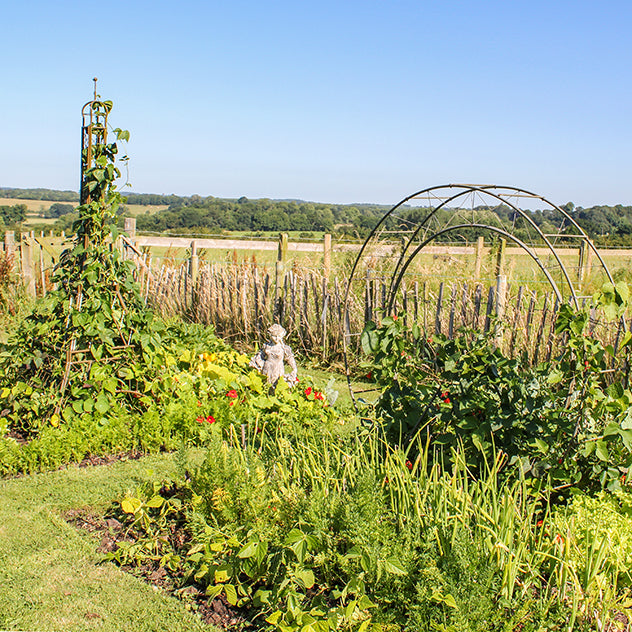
[[94, 130]]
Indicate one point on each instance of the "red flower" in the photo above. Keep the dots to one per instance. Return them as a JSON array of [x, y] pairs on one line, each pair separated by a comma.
[[318, 395], [200, 420], [308, 391], [539, 523], [409, 465], [369, 375], [559, 539], [232, 394], [230, 403], [447, 400], [199, 403], [210, 419]]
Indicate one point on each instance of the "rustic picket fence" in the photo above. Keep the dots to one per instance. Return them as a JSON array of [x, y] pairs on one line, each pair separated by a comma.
[[241, 300]]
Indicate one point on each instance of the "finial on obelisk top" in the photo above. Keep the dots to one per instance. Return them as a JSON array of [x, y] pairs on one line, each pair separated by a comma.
[[95, 88]]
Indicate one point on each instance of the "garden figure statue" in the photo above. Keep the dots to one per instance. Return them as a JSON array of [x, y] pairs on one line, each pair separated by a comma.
[[270, 358]]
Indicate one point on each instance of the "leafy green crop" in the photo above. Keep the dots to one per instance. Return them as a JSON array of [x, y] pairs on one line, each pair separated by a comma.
[[566, 420]]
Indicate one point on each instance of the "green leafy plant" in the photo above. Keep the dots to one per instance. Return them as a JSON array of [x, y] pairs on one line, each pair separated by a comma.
[[563, 420], [80, 349]]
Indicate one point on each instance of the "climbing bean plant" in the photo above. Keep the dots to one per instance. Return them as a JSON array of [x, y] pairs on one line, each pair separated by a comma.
[[87, 344]]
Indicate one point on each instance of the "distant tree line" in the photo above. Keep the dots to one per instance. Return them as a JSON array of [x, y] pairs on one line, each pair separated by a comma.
[[217, 214], [606, 225], [39, 194]]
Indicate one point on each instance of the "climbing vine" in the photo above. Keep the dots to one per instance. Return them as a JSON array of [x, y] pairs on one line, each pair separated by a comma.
[[80, 348]]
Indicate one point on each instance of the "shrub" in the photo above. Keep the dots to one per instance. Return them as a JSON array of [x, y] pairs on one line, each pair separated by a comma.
[[561, 421]]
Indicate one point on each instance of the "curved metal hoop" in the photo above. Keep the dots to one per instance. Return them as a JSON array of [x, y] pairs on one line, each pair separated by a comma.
[[440, 198]]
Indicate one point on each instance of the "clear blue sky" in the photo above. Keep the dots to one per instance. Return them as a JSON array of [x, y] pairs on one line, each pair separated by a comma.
[[332, 101]]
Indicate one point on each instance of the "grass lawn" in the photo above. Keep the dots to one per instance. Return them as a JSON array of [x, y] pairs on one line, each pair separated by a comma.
[[50, 575]]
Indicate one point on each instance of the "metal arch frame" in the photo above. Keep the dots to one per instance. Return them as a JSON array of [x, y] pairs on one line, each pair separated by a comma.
[[489, 190], [494, 229], [495, 191], [488, 227]]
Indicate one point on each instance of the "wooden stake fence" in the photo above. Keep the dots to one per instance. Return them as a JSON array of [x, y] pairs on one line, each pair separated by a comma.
[[240, 301]]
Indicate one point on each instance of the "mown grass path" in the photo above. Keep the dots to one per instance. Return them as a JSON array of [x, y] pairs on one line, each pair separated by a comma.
[[50, 575]]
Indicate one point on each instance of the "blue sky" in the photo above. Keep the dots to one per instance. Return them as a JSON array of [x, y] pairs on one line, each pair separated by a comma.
[[347, 101]]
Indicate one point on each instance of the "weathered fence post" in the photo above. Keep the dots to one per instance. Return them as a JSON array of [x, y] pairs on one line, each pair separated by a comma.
[[480, 247], [438, 312], [26, 257], [42, 270], [327, 257], [194, 263], [130, 226], [9, 243], [500, 256], [501, 295], [585, 260], [279, 275]]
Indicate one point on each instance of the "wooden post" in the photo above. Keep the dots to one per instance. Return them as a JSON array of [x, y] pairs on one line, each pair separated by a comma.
[[478, 297], [490, 307], [452, 312], [282, 250], [9, 243], [279, 273], [438, 312], [580, 260], [545, 311], [194, 265], [130, 226], [516, 322], [500, 256], [327, 257], [464, 296], [42, 270], [585, 261], [28, 275], [480, 247], [501, 294]]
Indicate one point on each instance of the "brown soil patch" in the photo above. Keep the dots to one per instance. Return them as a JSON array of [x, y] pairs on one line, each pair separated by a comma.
[[111, 532]]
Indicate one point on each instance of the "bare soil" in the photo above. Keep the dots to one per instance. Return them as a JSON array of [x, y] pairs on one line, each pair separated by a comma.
[[111, 532]]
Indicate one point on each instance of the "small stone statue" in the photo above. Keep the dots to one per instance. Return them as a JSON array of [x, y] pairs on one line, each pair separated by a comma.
[[269, 360]]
